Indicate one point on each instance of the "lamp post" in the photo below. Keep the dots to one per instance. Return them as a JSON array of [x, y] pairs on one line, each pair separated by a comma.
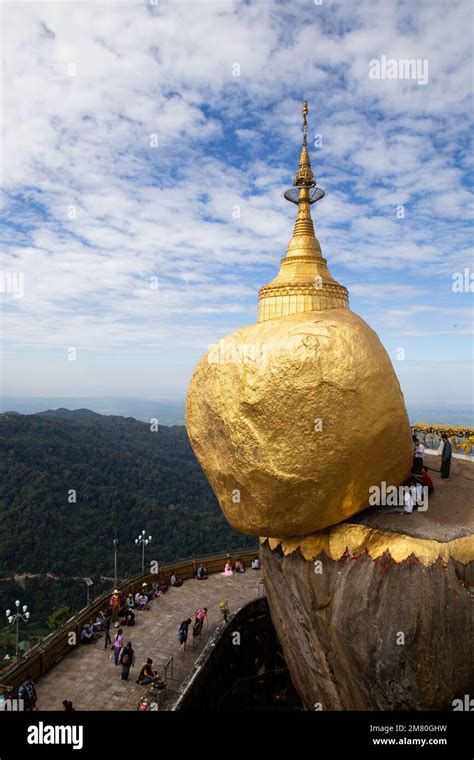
[[143, 541], [115, 562], [89, 582], [14, 619]]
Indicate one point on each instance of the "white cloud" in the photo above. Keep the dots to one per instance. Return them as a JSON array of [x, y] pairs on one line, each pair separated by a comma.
[[88, 86]]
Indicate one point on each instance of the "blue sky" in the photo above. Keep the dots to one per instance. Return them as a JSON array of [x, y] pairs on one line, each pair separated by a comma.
[[96, 214]]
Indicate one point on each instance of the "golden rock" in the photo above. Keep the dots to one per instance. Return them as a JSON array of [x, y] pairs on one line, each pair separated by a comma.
[[294, 418]]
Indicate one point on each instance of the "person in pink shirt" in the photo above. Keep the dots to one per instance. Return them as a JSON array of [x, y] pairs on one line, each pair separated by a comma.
[[118, 644]]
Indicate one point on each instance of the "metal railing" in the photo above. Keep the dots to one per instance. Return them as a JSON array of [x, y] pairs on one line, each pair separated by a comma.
[[54, 647], [460, 437], [168, 670]]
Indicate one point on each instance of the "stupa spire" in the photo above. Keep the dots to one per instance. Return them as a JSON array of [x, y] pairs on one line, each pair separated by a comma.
[[304, 282], [304, 175]]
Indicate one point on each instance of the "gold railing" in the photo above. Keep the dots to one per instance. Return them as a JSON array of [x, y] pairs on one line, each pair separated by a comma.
[[54, 647]]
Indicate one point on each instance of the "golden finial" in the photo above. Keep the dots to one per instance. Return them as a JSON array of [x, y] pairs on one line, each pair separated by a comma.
[[304, 175], [304, 111]]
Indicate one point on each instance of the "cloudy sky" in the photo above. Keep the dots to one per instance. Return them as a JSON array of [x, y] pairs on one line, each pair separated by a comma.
[[132, 131]]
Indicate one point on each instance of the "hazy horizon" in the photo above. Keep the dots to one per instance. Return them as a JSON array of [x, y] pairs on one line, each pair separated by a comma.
[[171, 411]]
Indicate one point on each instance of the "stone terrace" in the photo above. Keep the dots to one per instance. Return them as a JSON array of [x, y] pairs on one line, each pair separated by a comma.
[[89, 677], [450, 514]]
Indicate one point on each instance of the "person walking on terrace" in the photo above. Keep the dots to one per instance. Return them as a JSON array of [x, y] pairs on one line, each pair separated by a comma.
[[183, 633], [199, 618], [127, 660], [118, 644], [108, 640]]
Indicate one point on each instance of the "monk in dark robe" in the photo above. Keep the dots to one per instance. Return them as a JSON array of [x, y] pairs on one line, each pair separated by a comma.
[[446, 455]]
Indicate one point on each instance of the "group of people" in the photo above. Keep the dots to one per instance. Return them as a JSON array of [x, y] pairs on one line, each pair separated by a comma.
[[239, 567], [446, 451], [89, 634], [124, 655], [200, 617], [420, 481], [92, 629], [140, 601], [123, 610]]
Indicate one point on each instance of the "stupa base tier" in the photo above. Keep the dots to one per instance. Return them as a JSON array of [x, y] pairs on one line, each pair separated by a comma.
[[287, 300], [363, 633]]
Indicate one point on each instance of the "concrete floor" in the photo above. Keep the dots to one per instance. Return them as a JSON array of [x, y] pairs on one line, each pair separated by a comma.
[[88, 676]]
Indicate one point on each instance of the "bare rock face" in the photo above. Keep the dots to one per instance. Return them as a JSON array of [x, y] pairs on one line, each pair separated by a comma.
[[373, 635]]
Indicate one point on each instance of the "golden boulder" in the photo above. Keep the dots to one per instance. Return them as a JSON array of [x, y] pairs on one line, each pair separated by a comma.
[[293, 420]]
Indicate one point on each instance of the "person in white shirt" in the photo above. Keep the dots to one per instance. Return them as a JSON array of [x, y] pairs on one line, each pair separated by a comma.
[[408, 502], [418, 458]]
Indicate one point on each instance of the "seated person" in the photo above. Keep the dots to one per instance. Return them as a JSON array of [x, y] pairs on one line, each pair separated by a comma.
[[174, 580], [162, 584], [426, 480], [202, 574], [256, 564], [129, 618], [147, 593], [136, 598], [239, 566], [87, 634], [417, 493], [99, 622], [408, 502], [130, 603], [228, 568], [147, 674], [142, 602]]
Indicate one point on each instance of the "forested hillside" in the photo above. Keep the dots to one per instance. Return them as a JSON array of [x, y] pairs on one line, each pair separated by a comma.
[[151, 479]]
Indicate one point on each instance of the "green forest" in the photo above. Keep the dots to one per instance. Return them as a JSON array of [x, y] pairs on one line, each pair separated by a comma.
[[70, 481]]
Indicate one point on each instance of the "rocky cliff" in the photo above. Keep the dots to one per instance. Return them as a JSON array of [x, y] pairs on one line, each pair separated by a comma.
[[380, 619]]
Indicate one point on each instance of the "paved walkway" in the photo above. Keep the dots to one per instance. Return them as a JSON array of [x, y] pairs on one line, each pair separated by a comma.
[[90, 678]]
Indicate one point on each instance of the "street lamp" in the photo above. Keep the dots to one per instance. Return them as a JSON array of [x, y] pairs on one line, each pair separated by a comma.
[[14, 619], [115, 562], [143, 541], [89, 582]]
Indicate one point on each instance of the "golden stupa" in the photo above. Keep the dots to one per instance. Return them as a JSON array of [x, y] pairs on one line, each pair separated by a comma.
[[295, 417]]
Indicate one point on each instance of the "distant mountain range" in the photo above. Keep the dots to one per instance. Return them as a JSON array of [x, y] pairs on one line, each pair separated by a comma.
[[171, 411], [167, 411]]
